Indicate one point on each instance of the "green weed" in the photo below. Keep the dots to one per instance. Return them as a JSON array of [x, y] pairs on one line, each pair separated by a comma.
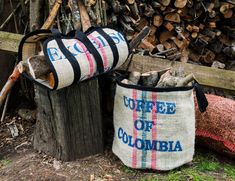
[[174, 176], [193, 174], [4, 162], [229, 171], [149, 179], [128, 170], [206, 165]]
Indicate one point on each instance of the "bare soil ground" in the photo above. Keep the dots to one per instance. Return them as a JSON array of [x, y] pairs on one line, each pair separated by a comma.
[[18, 161]]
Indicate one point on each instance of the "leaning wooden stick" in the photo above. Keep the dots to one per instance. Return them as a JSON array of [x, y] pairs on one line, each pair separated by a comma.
[[48, 23], [85, 19], [76, 17], [20, 67]]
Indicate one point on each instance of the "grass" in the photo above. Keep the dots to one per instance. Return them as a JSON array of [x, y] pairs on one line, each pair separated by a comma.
[[206, 163], [4, 162], [128, 170], [206, 166], [229, 171]]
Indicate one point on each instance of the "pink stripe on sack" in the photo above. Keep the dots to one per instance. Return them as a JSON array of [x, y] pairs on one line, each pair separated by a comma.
[[103, 54], [89, 58], [134, 152], [154, 130]]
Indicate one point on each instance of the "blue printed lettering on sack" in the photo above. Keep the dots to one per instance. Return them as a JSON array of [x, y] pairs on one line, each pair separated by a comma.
[[55, 54], [147, 106], [157, 145], [141, 124]]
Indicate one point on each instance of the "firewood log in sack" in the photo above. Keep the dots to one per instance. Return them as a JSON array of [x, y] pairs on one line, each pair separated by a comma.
[[155, 127], [215, 128], [75, 58]]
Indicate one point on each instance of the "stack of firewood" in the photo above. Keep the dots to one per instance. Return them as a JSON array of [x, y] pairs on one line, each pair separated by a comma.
[[160, 79], [199, 31]]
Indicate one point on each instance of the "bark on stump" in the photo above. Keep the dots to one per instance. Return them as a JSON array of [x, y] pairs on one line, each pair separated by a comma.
[[69, 123]]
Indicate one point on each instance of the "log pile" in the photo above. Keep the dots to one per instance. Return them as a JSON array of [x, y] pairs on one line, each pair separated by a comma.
[[198, 31]]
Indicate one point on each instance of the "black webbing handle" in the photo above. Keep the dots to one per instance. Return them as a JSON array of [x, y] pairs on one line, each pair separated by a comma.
[[56, 33], [76, 67], [90, 47], [112, 46], [201, 98]]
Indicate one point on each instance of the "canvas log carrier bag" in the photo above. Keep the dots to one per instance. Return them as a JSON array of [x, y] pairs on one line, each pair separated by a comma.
[[77, 56], [155, 127]]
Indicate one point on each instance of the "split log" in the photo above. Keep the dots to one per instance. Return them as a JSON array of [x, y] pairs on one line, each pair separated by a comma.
[[140, 25], [149, 11], [194, 35], [173, 17], [157, 20], [168, 26], [217, 64], [208, 57], [134, 77], [160, 47], [152, 35], [149, 78], [167, 45], [230, 51], [164, 2], [194, 56], [180, 3], [167, 80], [147, 45], [38, 66], [165, 35], [212, 24], [185, 81], [180, 44], [134, 10]]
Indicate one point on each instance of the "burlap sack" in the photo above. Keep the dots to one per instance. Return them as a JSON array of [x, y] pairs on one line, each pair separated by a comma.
[[79, 57], [154, 127], [215, 128]]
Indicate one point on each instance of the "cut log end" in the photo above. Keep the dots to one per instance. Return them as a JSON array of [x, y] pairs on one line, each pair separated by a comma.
[[134, 77], [38, 66], [149, 78]]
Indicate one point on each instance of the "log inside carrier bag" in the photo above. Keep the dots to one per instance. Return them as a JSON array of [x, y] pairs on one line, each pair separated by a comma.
[[215, 128], [40, 69]]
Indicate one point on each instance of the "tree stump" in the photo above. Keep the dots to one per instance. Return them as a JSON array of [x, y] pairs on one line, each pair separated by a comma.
[[69, 123]]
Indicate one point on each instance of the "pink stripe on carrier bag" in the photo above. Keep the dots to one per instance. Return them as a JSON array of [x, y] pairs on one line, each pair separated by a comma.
[[103, 53], [89, 58]]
